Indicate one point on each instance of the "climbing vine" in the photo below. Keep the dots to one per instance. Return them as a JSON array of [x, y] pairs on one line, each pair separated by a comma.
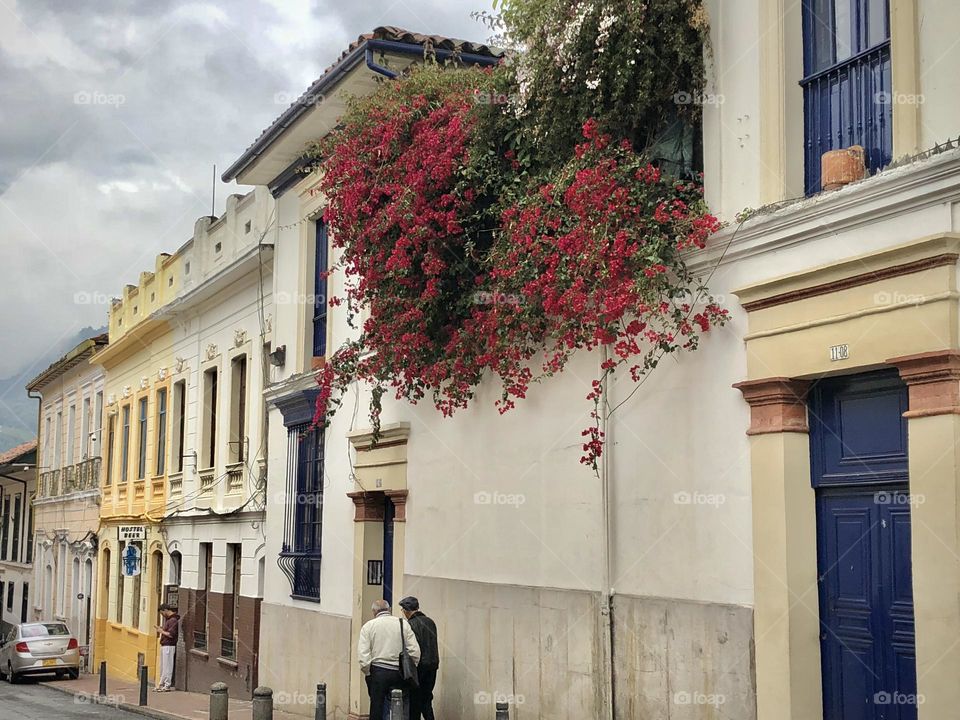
[[477, 248]]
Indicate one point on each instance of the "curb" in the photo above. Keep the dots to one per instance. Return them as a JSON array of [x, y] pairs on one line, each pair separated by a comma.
[[92, 699]]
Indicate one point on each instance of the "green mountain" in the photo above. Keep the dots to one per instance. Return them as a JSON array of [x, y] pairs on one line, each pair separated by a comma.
[[18, 411]]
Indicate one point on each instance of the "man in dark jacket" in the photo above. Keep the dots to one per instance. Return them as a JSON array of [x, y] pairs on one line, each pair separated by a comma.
[[421, 699]]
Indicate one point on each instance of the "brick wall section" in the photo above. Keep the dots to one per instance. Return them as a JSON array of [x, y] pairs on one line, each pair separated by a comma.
[[205, 668]]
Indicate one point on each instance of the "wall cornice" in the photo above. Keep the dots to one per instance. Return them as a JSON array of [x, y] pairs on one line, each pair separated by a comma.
[[893, 192], [904, 259]]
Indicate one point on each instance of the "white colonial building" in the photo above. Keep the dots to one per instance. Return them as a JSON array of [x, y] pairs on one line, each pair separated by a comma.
[[698, 576], [66, 508], [18, 486], [221, 326]]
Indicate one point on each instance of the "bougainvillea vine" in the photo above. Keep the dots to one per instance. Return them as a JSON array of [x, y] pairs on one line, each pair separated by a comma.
[[465, 267]]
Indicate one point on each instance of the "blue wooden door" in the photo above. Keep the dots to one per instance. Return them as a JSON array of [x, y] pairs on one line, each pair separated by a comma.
[[858, 440], [389, 512]]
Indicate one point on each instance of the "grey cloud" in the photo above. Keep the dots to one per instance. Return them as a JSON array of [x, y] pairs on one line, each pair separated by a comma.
[[90, 192], [435, 17]]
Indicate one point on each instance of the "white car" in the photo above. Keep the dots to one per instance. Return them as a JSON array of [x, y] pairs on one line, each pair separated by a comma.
[[41, 647]]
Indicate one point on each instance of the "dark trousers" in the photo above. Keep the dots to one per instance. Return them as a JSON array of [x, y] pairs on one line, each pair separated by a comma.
[[421, 698], [380, 682]]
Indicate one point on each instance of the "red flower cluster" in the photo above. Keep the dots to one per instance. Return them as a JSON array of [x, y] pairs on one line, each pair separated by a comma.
[[460, 281]]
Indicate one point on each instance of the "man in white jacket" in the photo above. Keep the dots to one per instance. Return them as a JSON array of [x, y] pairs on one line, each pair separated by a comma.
[[381, 641]]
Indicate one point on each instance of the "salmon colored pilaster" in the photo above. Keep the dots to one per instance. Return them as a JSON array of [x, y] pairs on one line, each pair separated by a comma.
[[777, 405], [933, 379]]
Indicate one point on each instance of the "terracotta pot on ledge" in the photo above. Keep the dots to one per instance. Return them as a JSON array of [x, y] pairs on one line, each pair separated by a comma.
[[842, 167]]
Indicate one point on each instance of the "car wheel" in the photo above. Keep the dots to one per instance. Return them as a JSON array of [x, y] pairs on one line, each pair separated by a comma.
[[73, 673], [11, 675]]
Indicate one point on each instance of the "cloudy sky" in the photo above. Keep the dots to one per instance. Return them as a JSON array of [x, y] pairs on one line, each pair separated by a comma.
[[112, 115]]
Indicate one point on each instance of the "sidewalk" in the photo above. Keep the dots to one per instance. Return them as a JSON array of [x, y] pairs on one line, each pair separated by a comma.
[[162, 706]]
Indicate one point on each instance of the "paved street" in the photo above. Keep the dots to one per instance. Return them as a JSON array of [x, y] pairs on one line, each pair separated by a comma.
[[31, 700]]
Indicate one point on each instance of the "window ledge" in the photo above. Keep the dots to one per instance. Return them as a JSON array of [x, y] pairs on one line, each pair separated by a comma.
[[232, 664], [305, 598], [200, 653]]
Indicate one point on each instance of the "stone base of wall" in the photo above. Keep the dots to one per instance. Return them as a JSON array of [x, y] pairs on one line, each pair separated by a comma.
[[202, 668], [675, 659], [302, 647], [541, 650], [538, 649]]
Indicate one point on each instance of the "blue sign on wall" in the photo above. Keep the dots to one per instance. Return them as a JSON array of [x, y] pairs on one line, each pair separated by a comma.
[[131, 560]]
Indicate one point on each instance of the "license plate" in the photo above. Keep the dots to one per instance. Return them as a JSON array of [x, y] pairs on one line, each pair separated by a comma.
[[50, 662]]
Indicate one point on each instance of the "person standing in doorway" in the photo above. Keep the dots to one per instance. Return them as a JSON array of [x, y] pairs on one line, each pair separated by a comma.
[[169, 632], [382, 639], [421, 698]]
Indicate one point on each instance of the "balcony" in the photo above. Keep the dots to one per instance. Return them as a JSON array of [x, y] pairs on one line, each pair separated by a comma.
[[176, 484], [235, 474], [78, 477], [848, 104], [206, 479]]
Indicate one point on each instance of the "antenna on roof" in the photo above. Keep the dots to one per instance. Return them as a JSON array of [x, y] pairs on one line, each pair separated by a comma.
[[213, 193]]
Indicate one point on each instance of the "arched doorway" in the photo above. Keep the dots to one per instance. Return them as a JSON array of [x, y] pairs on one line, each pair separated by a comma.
[[76, 602], [158, 579], [176, 565], [87, 591], [48, 592], [106, 566]]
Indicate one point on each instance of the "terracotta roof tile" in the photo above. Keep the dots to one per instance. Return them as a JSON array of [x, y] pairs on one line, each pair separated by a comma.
[[15, 452]]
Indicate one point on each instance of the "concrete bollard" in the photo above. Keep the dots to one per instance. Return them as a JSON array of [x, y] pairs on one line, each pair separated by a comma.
[[396, 704], [143, 686], [503, 711], [263, 703], [219, 702], [103, 678], [321, 711]]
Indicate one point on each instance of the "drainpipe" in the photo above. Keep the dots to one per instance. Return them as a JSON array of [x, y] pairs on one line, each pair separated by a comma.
[[606, 606]]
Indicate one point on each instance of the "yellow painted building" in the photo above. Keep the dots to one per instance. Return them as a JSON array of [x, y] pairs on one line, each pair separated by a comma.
[[139, 437]]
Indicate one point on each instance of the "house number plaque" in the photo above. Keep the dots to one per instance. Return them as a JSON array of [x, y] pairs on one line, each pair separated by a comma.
[[839, 352]]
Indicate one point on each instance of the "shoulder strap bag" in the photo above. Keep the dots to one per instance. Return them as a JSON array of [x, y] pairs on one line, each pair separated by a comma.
[[408, 668]]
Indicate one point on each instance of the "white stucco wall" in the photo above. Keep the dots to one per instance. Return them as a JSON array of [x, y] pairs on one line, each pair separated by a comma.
[[939, 83], [223, 310]]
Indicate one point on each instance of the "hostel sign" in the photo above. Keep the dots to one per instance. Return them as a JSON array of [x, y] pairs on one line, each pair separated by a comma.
[[128, 533]]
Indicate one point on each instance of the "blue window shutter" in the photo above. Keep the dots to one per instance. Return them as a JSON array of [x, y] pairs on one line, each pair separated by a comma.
[[320, 292]]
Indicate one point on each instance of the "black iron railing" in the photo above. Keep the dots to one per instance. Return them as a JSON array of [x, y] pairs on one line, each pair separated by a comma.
[[303, 571], [847, 104]]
